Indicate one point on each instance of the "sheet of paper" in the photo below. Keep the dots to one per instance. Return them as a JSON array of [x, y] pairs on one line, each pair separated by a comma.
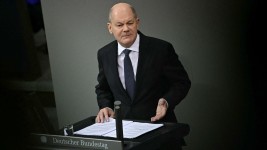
[[101, 129], [130, 129], [135, 129]]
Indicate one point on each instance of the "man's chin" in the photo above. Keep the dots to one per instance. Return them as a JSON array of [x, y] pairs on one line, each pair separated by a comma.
[[126, 43]]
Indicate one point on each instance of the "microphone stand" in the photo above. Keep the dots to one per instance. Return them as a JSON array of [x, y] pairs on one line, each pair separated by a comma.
[[118, 117]]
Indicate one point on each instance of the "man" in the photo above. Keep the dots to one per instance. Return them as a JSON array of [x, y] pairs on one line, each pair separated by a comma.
[[160, 80]]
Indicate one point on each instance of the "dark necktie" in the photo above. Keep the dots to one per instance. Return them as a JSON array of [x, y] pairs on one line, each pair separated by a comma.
[[129, 74]]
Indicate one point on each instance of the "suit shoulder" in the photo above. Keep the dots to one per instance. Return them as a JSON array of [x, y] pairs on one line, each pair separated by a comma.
[[158, 45], [157, 41], [107, 47]]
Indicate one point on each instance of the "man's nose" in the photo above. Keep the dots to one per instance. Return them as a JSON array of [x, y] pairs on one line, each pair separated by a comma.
[[125, 28]]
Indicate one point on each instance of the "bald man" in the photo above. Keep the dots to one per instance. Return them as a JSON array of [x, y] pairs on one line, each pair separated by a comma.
[[161, 82], [160, 78]]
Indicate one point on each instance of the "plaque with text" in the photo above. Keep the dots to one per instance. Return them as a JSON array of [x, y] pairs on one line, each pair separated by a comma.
[[46, 141]]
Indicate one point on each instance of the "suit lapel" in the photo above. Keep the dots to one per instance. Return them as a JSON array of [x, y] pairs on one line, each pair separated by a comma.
[[143, 56], [113, 57]]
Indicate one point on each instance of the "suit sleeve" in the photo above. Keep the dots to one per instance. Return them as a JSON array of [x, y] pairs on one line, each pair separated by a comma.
[[102, 89], [176, 77]]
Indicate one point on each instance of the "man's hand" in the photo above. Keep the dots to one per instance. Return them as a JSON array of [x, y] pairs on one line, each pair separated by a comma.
[[104, 114], [161, 110]]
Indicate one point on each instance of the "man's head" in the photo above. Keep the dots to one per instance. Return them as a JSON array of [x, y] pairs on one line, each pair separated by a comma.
[[123, 23]]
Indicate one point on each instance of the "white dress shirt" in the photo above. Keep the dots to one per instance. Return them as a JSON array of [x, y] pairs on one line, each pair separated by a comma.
[[134, 54]]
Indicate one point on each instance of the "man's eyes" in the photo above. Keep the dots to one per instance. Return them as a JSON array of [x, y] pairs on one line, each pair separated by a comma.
[[120, 25]]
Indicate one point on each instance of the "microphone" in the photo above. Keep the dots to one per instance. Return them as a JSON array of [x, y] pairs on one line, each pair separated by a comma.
[[118, 117]]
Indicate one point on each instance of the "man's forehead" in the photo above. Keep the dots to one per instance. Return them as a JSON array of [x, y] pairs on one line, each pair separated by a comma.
[[122, 20]]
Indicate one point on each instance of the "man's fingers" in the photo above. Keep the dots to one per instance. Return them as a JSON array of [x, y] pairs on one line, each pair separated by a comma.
[[100, 116], [104, 114], [161, 110], [153, 119], [156, 118], [97, 119]]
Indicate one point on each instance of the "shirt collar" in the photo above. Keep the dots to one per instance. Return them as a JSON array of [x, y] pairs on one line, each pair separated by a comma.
[[134, 47]]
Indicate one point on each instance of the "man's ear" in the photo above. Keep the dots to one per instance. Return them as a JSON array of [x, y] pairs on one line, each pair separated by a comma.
[[137, 22], [109, 27]]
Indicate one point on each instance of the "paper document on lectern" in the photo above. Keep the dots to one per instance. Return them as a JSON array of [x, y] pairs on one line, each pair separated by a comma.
[[131, 129]]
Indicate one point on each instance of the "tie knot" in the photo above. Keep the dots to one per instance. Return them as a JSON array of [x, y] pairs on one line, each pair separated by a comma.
[[127, 51]]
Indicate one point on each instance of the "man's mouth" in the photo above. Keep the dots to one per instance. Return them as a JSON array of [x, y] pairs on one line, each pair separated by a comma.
[[126, 35]]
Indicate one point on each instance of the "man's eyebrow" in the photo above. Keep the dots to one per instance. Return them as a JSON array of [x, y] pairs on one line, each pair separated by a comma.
[[118, 23]]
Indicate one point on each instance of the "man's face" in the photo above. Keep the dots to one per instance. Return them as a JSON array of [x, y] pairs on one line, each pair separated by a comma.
[[123, 25]]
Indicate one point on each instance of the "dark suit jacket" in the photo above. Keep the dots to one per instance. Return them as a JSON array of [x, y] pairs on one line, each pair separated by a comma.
[[160, 74]]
